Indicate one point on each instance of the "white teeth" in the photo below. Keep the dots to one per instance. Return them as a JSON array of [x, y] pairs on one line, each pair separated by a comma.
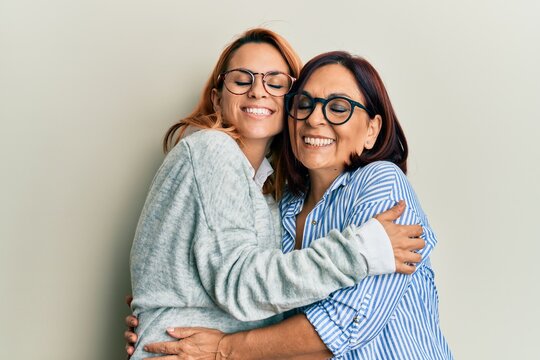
[[318, 141], [258, 111]]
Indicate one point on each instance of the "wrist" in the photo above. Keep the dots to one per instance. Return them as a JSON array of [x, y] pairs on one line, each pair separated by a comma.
[[223, 348], [228, 348], [235, 346]]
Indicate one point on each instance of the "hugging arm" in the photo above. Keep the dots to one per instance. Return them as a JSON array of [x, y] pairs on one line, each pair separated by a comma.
[[362, 311], [251, 282], [351, 318], [312, 335]]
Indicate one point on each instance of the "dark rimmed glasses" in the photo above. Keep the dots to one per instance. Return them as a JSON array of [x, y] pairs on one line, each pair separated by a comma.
[[240, 81], [337, 110]]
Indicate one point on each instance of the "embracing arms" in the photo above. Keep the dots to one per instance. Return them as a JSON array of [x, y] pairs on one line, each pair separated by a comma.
[[252, 282]]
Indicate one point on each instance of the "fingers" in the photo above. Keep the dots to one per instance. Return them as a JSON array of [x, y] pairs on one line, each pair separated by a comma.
[[393, 213], [406, 261], [164, 347], [412, 231], [129, 350], [183, 332], [130, 337], [129, 299], [416, 244], [405, 256], [404, 268], [131, 321], [411, 258]]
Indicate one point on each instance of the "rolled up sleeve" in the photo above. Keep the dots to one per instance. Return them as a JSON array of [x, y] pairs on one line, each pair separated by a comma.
[[351, 317]]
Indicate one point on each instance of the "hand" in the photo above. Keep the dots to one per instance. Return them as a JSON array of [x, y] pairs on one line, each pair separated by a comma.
[[129, 334], [404, 238], [193, 344]]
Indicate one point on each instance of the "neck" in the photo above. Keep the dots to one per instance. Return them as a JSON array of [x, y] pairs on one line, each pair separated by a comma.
[[320, 181], [255, 150]]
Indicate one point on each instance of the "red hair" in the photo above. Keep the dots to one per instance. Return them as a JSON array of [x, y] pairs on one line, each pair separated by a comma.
[[204, 116]]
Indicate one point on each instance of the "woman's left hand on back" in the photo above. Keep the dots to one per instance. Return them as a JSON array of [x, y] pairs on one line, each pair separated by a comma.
[[193, 343]]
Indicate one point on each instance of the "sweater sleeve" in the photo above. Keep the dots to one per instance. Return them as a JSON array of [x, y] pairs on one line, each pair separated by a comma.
[[253, 283]]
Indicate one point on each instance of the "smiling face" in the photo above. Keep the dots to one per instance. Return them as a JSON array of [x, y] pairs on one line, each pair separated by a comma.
[[256, 115], [325, 148]]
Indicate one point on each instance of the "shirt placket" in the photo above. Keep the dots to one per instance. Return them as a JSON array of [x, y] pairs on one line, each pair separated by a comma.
[[313, 224]]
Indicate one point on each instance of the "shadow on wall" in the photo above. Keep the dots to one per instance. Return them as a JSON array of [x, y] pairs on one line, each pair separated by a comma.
[[119, 285], [119, 282]]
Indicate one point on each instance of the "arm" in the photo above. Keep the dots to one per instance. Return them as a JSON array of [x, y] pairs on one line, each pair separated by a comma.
[[364, 311], [262, 343], [205, 343], [293, 338], [253, 283], [350, 318]]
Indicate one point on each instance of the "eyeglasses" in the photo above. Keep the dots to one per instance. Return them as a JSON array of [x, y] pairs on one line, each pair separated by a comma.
[[337, 110], [240, 81]]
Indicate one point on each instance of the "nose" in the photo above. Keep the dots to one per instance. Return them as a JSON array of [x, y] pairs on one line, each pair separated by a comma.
[[257, 90], [316, 118]]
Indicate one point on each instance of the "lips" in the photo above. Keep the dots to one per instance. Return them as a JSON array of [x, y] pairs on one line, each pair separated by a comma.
[[317, 141], [259, 111]]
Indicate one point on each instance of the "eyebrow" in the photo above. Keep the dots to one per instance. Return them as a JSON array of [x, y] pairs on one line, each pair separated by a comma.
[[340, 94], [334, 94], [255, 72]]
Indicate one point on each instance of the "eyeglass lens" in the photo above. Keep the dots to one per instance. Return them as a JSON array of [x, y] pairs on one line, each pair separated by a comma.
[[336, 110], [240, 81]]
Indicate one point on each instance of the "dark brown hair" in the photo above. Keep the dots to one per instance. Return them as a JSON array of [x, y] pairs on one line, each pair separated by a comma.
[[391, 144], [204, 116]]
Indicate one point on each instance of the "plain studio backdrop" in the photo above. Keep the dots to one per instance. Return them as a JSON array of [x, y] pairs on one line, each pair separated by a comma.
[[88, 88]]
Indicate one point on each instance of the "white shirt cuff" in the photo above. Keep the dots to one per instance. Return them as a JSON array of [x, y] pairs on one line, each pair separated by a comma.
[[376, 247]]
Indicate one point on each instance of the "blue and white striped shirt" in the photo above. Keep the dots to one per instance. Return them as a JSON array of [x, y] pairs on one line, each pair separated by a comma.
[[391, 316]]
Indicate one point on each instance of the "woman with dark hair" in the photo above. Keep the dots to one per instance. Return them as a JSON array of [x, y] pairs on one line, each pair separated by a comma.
[[346, 158], [206, 250]]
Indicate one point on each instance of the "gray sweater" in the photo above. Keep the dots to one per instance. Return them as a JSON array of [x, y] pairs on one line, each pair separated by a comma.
[[207, 248]]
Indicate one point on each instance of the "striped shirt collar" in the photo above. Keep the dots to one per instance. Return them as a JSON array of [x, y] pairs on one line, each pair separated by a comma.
[[293, 203]]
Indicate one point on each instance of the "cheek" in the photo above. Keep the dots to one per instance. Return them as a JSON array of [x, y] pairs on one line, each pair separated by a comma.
[[354, 136], [280, 105], [351, 144], [224, 105]]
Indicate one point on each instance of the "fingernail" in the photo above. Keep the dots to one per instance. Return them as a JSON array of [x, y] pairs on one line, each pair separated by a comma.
[[170, 330], [145, 348]]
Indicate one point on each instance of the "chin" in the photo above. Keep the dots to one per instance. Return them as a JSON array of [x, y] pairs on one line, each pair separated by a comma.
[[261, 133]]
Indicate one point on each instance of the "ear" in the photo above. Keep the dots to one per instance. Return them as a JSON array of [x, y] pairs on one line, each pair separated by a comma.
[[374, 127], [215, 95]]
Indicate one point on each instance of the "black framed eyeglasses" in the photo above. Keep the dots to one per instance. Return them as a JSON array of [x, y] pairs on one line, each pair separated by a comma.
[[337, 110], [240, 81]]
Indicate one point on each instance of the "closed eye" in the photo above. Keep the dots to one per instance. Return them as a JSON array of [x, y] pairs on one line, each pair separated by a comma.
[[275, 86], [338, 109]]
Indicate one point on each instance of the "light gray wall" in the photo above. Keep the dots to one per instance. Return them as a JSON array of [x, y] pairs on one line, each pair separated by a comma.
[[87, 89]]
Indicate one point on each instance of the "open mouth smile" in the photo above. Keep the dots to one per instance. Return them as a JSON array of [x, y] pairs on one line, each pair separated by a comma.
[[318, 142], [258, 111]]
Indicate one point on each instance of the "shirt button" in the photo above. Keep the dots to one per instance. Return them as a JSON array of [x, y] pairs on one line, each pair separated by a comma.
[[314, 222], [356, 319]]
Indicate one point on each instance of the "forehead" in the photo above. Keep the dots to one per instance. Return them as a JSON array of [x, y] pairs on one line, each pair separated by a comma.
[[258, 57], [333, 79]]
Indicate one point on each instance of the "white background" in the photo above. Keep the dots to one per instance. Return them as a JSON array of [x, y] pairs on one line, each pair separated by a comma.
[[88, 88]]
